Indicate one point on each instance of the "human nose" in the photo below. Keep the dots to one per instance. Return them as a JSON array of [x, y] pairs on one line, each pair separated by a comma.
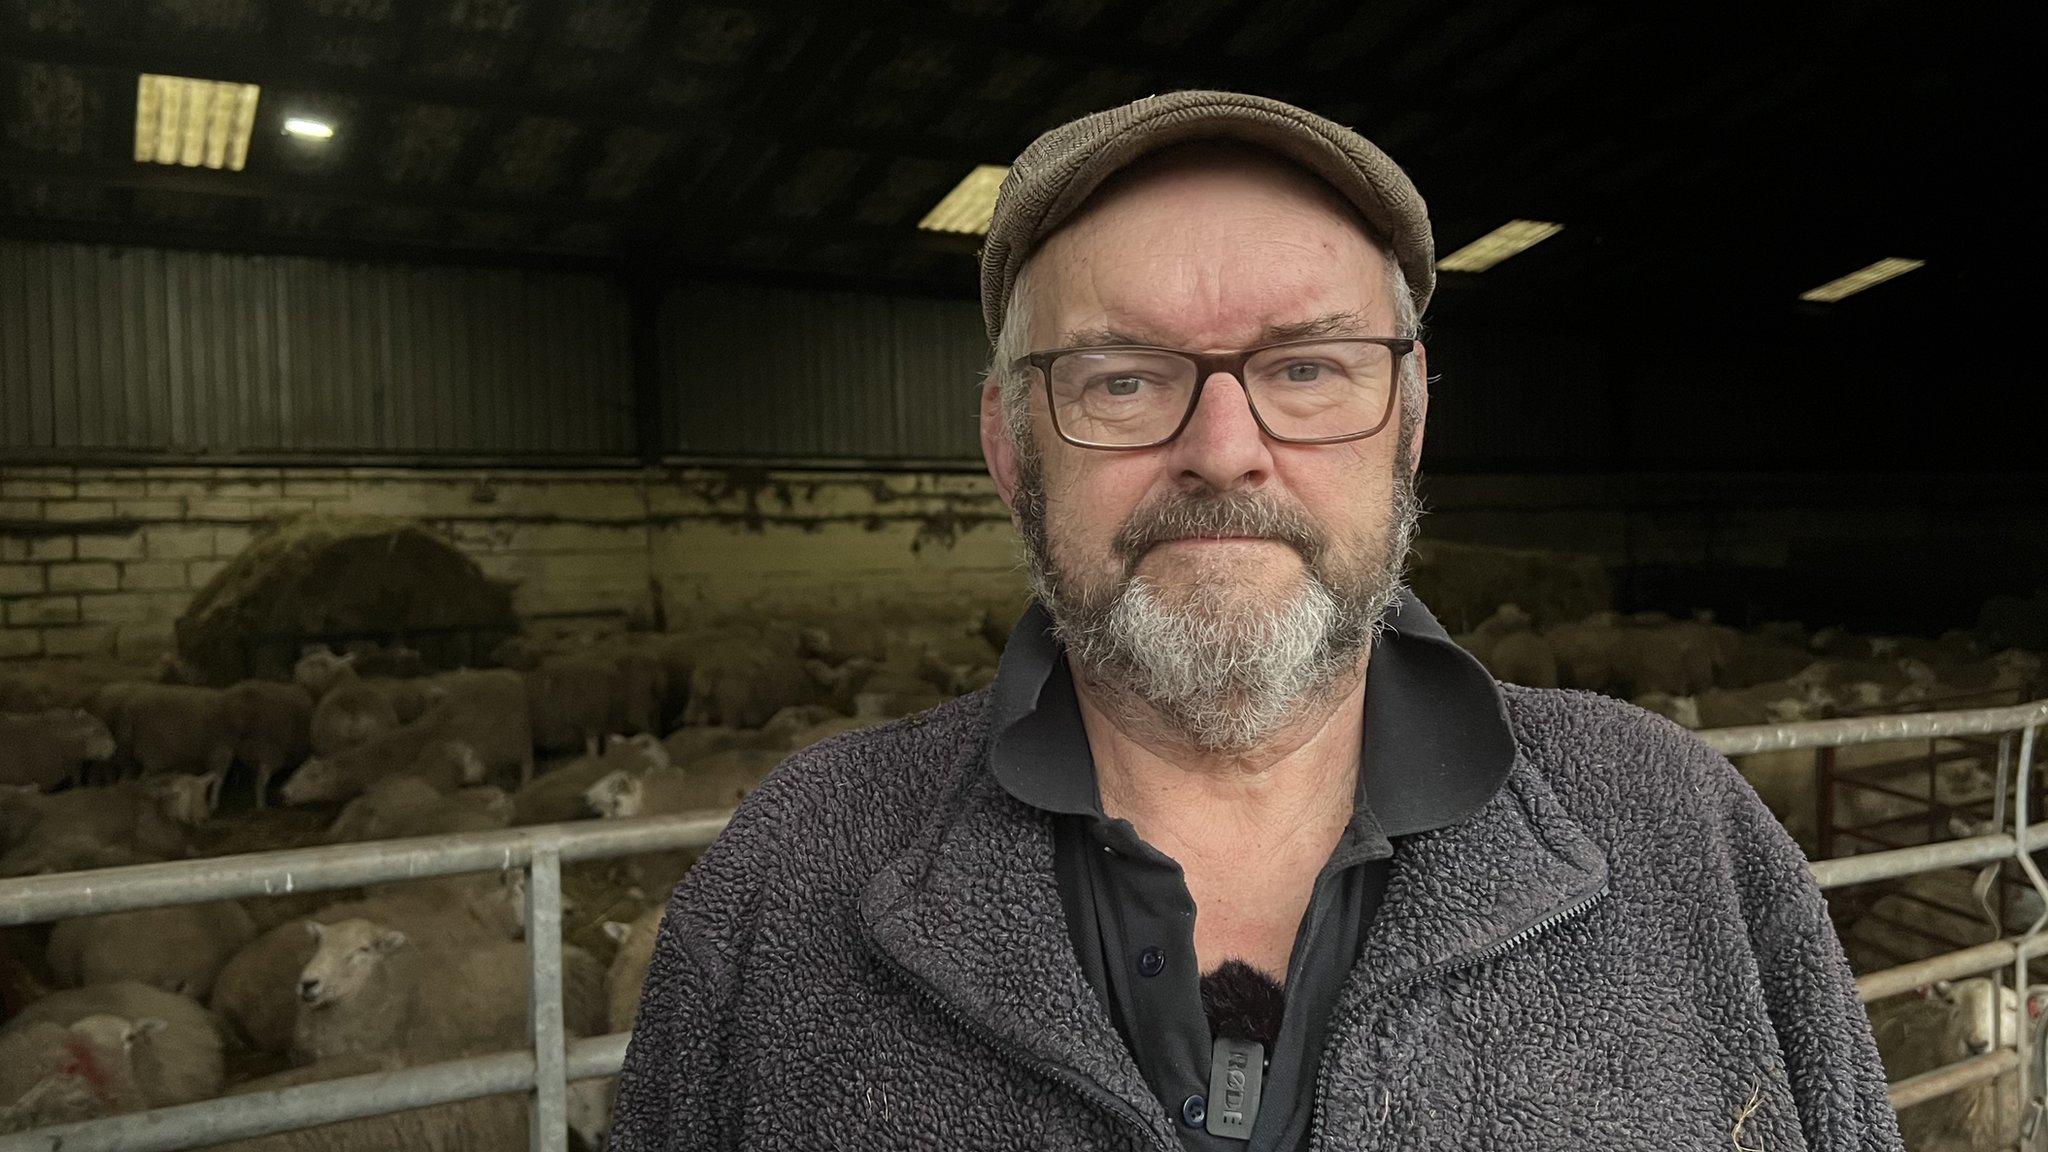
[[1222, 443]]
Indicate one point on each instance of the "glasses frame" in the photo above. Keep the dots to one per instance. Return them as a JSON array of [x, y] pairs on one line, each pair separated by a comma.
[[1208, 364]]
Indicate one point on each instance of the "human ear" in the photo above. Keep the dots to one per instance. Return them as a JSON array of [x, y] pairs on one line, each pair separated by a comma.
[[998, 449]]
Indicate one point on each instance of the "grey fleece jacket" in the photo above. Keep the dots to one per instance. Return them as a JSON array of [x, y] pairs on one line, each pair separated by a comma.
[[1621, 950]]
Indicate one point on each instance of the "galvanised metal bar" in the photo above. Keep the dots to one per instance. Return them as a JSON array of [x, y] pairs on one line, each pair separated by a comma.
[[549, 1110], [1874, 729], [1953, 1078], [32, 899], [1948, 966]]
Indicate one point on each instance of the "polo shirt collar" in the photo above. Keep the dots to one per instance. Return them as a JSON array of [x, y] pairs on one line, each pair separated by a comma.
[[1436, 745]]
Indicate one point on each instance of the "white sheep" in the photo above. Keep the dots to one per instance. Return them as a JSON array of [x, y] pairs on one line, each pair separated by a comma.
[[273, 729], [351, 714], [52, 1074], [557, 795], [368, 989], [1942, 1025], [52, 747], [179, 949], [715, 783], [488, 713], [131, 822], [347, 774], [742, 685], [177, 728], [403, 806], [628, 972], [572, 701], [257, 993], [176, 1064]]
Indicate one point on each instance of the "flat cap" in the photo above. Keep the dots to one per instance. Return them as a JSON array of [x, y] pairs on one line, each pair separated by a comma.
[[1061, 168]]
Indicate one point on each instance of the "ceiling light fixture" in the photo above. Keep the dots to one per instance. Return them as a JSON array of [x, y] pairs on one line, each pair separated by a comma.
[[193, 123], [967, 208], [1860, 279], [310, 129], [1497, 245]]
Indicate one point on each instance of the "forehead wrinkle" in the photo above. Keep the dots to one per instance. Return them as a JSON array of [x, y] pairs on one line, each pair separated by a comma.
[[1340, 323]]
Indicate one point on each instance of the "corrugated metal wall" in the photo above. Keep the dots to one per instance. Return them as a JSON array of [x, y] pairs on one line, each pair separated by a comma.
[[152, 350], [790, 373]]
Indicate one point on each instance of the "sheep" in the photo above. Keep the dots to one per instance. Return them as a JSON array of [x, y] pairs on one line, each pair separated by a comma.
[[1944, 1024], [717, 782], [351, 714], [346, 774], [319, 670], [570, 699], [686, 745], [175, 728], [127, 823], [629, 965], [256, 993], [394, 660], [273, 724], [1511, 652], [743, 685], [489, 713], [177, 949], [176, 1064], [448, 912], [557, 796], [489, 1124], [50, 748], [890, 693], [52, 1074], [369, 988], [403, 806]]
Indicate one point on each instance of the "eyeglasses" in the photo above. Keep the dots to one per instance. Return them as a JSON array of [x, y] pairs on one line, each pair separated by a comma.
[[1317, 391]]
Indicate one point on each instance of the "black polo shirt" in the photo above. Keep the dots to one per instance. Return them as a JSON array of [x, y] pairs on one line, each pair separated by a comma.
[[1436, 747]]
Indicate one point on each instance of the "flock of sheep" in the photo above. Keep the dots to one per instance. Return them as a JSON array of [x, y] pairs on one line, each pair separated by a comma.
[[140, 1009]]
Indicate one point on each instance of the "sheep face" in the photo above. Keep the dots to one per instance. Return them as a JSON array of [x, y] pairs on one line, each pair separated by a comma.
[[89, 734], [345, 957], [185, 799], [616, 797], [316, 780], [318, 670]]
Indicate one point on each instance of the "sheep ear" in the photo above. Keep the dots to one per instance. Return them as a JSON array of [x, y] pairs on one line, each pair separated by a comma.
[[147, 1026], [313, 929], [391, 941], [617, 929], [349, 659]]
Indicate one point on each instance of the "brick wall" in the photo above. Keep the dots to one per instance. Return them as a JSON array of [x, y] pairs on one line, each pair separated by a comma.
[[101, 561]]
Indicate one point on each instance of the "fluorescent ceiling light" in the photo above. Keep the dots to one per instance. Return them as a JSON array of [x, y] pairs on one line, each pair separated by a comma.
[[193, 123], [967, 208], [1497, 245], [1860, 279], [310, 129]]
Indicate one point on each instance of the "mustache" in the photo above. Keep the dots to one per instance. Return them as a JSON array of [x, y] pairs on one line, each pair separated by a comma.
[[1238, 513]]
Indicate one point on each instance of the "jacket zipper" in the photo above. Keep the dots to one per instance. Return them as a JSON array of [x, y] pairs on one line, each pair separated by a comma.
[[1081, 1084], [1315, 1138]]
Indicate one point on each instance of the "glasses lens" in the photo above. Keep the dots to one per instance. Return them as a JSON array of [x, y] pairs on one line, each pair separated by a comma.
[[1119, 398], [1325, 389]]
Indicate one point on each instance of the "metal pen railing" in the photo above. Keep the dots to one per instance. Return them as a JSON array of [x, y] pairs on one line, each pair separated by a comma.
[[545, 1069], [2013, 786], [552, 1062]]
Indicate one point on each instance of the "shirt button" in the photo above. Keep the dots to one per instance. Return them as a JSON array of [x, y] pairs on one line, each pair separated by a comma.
[[1151, 962], [1194, 1111]]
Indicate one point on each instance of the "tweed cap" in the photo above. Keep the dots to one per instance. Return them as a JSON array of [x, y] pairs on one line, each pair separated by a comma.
[[1061, 168]]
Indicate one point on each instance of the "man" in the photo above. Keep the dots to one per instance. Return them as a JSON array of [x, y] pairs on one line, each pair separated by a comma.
[[1240, 851]]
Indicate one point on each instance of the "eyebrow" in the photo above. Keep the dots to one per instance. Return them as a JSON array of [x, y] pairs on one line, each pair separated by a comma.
[[1328, 324]]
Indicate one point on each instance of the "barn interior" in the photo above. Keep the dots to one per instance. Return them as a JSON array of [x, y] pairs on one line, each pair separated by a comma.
[[425, 418]]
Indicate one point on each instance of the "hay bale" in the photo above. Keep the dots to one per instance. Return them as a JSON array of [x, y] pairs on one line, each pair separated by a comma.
[[332, 579], [1464, 583]]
